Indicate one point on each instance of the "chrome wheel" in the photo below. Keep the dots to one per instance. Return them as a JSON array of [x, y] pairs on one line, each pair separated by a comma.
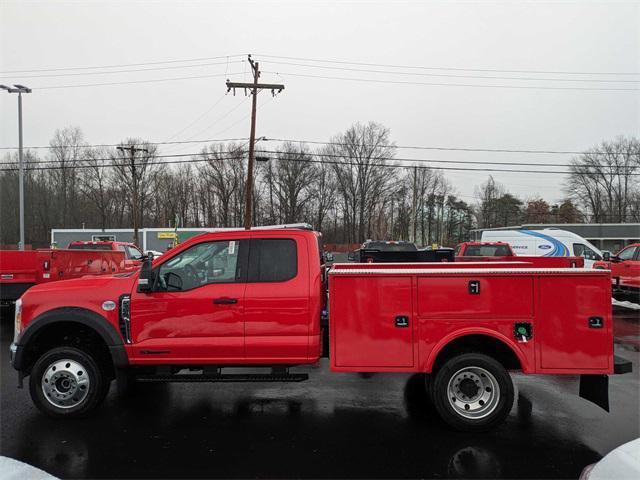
[[473, 392], [65, 383]]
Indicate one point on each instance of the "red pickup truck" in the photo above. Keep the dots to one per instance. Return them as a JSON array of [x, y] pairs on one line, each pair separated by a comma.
[[132, 254], [21, 270], [258, 298], [501, 252], [625, 271]]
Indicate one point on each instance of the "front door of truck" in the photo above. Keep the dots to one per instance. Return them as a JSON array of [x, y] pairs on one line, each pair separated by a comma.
[[627, 265], [195, 311]]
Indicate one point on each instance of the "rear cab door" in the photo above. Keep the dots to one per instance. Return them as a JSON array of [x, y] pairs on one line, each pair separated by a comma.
[[278, 314]]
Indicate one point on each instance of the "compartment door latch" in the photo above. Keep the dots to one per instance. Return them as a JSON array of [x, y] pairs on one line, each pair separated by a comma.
[[402, 321], [596, 322]]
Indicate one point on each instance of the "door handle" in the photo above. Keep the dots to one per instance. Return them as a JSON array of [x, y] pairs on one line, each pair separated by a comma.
[[225, 301]]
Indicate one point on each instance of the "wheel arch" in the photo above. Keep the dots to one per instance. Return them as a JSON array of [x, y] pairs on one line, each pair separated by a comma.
[[484, 341], [69, 318]]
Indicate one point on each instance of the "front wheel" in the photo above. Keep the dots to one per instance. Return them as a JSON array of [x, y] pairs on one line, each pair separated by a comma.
[[67, 382], [472, 392]]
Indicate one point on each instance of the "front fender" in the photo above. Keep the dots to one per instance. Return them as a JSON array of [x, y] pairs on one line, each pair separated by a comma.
[[81, 316]]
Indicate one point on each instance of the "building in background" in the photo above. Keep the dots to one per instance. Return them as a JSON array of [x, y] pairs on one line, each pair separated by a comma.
[[605, 236]]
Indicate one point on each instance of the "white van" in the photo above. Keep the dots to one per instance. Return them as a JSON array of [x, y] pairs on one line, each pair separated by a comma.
[[550, 242]]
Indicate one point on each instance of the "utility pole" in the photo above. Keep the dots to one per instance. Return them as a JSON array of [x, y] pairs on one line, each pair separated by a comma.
[[19, 89], [253, 88], [134, 201]]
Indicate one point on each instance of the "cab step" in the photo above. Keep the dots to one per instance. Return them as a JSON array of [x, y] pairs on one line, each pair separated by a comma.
[[232, 377], [216, 375]]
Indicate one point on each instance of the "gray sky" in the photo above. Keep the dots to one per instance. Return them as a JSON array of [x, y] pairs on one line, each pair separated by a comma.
[[532, 36]]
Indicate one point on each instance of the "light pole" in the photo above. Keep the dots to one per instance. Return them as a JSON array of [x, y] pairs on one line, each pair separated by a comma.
[[19, 89]]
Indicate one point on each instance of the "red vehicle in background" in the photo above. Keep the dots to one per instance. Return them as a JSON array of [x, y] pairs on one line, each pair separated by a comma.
[[21, 270], [482, 250], [132, 254], [502, 252], [625, 271]]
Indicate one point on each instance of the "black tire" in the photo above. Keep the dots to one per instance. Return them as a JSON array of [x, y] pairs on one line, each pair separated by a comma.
[[472, 392], [80, 401]]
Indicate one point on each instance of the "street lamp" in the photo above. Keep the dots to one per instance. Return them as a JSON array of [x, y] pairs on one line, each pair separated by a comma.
[[19, 89]]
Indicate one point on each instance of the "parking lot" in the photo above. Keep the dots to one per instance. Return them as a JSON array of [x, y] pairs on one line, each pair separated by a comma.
[[333, 425]]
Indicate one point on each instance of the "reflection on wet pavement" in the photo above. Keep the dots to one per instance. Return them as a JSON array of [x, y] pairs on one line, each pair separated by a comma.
[[334, 425]]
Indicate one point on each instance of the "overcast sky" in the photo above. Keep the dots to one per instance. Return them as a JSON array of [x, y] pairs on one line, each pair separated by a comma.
[[594, 37]]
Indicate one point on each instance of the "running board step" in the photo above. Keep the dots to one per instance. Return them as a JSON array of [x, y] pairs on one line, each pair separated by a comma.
[[233, 377]]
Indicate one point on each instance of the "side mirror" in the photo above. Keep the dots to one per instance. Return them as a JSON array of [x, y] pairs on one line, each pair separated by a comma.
[[606, 256], [328, 257], [351, 256], [146, 278]]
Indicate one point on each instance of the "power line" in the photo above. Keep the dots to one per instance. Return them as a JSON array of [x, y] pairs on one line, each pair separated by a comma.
[[434, 84], [123, 64], [453, 75], [318, 142], [343, 62], [212, 140], [310, 160], [461, 149], [121, 71], [129, 82]]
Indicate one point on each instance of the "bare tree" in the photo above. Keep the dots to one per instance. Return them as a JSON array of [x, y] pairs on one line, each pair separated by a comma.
[[605, 182]]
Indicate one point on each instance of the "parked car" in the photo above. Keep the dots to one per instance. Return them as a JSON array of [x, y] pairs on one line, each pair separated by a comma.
[[255, 298], [625, 271], [550, 242]]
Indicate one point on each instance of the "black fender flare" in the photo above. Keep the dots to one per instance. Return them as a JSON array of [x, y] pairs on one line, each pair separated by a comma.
[[82, 316]]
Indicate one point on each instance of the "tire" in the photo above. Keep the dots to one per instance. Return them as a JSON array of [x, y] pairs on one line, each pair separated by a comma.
[[472, 392], [67, 382]]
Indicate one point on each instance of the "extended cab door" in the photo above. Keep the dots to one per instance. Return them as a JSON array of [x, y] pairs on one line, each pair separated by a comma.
[[195, 313], [277, 312]]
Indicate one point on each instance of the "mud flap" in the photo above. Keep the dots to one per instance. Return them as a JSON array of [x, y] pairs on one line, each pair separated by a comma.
[[595, 388]]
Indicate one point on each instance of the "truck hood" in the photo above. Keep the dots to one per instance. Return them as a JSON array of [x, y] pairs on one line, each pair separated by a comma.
[[103, 283]]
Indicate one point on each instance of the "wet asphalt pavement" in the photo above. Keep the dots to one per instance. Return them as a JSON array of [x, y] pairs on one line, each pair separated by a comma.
[[333, 425]]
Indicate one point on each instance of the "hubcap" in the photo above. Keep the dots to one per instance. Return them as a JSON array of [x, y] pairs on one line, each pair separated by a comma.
[[473, 392], [65, 383]]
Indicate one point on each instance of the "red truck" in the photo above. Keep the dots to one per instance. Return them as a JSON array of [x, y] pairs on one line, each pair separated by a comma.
[[132, 254], [258, 298], [21, 270], [625, 271], [501, 252]]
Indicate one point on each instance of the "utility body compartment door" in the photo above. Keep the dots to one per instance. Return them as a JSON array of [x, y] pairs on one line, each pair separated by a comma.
[[574, 323], [371, 322]]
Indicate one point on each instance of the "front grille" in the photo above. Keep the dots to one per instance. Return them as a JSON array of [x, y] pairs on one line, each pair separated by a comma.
[[124, 318]]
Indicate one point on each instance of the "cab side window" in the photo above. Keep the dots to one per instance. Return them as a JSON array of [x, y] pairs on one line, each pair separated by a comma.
[[627, 253], [202, 264], [133, 253], [272, 260], [581, 250]]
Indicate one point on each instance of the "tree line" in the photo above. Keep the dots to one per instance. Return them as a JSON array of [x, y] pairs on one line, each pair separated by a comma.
[[351, 189]]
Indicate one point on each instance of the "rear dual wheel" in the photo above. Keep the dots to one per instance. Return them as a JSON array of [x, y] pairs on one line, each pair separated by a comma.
[[472, 392], [67, 382]]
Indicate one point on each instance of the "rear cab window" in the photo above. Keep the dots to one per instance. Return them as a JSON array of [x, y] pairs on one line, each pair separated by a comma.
[[272, 260]]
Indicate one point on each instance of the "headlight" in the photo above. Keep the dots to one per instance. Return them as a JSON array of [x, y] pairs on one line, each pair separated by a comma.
[[17, 320]]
